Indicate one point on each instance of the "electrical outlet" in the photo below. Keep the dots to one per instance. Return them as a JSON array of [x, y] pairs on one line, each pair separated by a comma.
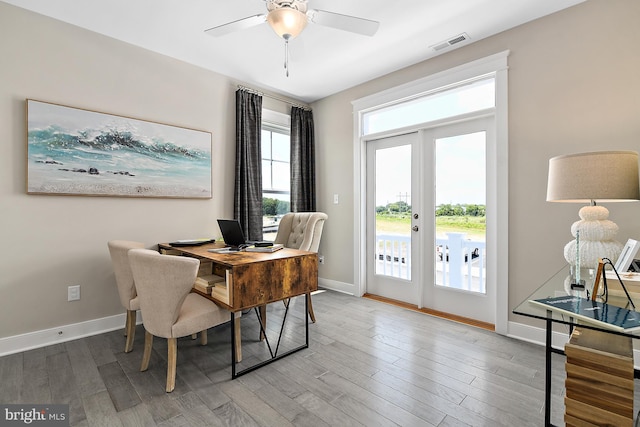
[[321, 259], [73, 293]]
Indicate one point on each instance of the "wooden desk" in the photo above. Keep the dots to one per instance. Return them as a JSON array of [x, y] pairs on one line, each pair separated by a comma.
[[255, 279]]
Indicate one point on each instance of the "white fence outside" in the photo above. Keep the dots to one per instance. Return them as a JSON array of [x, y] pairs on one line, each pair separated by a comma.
[[460, 263], [394, 255]]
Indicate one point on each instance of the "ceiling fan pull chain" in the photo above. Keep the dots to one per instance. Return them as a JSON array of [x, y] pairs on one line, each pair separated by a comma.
[[286, 56]]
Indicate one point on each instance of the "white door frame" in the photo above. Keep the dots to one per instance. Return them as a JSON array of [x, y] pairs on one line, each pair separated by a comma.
[[493, 64]]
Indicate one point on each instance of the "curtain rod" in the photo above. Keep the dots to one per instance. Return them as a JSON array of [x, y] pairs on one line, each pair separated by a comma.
[[286, 101]]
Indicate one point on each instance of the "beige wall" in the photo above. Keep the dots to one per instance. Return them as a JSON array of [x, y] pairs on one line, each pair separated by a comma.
[[574, 85], [50, 242]]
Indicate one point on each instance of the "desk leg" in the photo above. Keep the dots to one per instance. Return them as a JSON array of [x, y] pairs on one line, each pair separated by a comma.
[[238, 338], [233, 345], [307, 301], [547, 374], [263, 320]]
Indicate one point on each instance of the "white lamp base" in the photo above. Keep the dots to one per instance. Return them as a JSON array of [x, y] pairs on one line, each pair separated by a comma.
[[596, 238]]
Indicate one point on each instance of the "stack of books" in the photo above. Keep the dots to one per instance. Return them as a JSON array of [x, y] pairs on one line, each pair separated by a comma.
[[221, 292], [207, 283], [175, 252], [272, 248], [206, 267]]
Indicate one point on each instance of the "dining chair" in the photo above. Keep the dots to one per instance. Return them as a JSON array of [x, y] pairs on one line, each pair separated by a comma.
[[302, 230], [169, 309], [119, 249]]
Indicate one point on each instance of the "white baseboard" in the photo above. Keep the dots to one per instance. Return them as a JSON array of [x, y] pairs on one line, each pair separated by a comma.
[[536, 335], [60, 334], [43, 338], [334, 285]]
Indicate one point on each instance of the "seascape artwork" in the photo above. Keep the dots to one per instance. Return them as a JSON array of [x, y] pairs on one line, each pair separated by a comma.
[[80, 152]]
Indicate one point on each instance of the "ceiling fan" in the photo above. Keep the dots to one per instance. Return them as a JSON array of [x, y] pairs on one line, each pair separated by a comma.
[[289, 17]]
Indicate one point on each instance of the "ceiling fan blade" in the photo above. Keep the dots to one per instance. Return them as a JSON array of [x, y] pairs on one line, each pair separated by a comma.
[[240, 24], [352, 24]]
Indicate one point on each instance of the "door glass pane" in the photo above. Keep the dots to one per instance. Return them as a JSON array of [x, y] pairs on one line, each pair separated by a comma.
[[393, 211], [460, 213]]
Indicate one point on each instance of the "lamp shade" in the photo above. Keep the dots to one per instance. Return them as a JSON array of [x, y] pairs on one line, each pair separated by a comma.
[[603, 176], [287, 22]]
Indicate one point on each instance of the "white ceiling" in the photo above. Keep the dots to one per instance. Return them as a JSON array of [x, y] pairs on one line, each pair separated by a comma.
[[323, 60]]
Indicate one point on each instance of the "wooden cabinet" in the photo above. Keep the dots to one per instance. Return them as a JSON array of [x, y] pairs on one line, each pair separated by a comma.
[[599, 384]]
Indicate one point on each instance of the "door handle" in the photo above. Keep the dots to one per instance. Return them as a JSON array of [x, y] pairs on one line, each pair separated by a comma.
[[414, 228]]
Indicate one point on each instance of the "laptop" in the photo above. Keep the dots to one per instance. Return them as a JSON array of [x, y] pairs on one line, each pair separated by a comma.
[[233, 235]]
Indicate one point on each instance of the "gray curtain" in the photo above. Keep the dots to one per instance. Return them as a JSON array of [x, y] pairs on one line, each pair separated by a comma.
[[248, 182], [303, 161]]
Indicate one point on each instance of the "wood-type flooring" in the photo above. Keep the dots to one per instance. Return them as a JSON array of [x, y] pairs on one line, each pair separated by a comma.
[[368, 364]]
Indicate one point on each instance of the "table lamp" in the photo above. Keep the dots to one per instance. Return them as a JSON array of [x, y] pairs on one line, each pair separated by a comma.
[[602, 176]]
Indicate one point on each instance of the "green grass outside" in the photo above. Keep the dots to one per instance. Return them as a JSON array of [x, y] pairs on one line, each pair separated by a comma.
[[475, 227]]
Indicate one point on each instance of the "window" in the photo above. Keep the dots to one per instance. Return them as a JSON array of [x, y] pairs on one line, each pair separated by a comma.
[[474, 95], [276, 186]]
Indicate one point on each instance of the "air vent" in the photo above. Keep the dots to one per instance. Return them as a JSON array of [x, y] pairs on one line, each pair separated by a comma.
[[454, 40]]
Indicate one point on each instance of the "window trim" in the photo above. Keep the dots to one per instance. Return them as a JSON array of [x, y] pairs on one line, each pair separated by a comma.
[[275, 118]]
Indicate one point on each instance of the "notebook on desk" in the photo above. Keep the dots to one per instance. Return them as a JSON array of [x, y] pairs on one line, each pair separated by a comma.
[[232, 234]]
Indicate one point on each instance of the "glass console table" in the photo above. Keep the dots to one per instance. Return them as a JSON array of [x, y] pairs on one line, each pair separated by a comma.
[[560, 285]]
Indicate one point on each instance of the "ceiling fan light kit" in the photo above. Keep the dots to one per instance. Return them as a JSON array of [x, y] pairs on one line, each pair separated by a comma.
[[289, 17], [287, 21]]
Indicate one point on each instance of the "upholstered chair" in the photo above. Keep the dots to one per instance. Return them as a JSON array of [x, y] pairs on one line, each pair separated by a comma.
[[169, 309], [302, 230], [119, 249]]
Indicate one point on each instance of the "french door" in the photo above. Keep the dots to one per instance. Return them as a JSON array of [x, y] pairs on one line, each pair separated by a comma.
[[392, 239], [428, 209]]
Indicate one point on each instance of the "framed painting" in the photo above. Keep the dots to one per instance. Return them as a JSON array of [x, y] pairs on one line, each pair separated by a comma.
[[72, 151]]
